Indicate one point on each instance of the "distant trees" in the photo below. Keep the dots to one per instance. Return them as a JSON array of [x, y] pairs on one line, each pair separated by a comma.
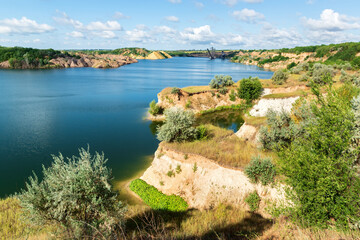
[[76, 194]]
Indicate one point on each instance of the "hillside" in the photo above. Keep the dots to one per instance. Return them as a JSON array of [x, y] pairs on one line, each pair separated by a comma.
[[137, 53]]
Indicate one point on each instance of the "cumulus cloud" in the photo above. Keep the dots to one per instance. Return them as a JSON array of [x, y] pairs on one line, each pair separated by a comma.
[[76, 34], [64, 19], [175, 1], [104, 26], [23, 26], [232, 3], [172, 19], [248, 15], [163, 30], [199, 5], [138, 35], [120, 15], [331, 21], [105, 34]]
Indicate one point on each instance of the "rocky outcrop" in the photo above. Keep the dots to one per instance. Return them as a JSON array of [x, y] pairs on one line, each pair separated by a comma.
[[202, 182], [248, 133], [276, 104]]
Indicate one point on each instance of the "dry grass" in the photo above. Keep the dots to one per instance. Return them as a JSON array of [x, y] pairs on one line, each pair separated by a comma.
[[12, 225], [196, 89], [298, 93], [222, 146], [223, 222], [254, 121], [292, 81], [283, 229]]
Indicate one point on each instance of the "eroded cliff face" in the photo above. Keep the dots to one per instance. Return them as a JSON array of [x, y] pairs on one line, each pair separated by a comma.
[[202, 182], [196, 102]]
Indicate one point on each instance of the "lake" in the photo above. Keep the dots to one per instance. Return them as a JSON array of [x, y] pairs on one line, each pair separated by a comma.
[[44, 112]]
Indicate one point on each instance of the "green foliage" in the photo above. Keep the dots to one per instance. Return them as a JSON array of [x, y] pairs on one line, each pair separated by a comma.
[[175, 90], [304, 78], [280, 77], [178, 169], [156, 199], [322, 74], [253, 200], [278, 58], [220, 81], [232, 95], [155, 109], [291, 65], [74, 193], [201, 132], [195, 167], [250, 89], [223, 91], [260, 170], [188, 104], [319, 165], [170, 173], [178, 126], [281, 129], [241, 107]]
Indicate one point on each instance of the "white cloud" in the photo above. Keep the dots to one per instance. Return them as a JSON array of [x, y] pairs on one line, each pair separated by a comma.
[[199, 5], [232, 3], [120, 15], [105, 34], [175, 1], [138, 36], [104, 26], [331, 21], [172, 19], [76, 34], [163, 30], [36, 40], [23, 26], [66, 20], [202, 35], [248, 15]]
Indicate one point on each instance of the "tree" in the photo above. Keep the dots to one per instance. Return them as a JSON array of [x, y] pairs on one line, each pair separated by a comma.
[[178, 126], [220, 81], [74, 193], [250, 89], [319, 165], [280, 77]]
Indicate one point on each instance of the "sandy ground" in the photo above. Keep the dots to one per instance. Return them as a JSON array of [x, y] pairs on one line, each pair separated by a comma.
[[278, 104]]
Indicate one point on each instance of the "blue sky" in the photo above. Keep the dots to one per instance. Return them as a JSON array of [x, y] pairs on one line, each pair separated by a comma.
[[177, 24]]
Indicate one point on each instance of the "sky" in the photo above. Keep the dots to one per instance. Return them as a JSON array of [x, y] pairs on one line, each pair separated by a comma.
[[177, 24]]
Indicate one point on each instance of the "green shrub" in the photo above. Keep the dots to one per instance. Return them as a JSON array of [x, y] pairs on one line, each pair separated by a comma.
[[155, 109], [220, 81], [260, 170], [223, 91], [304, 78], [188, 104], [201, 133], [253, 200], [280, 77], [74, 193], [250, 89], [291, 65], [195, 167], [278, 58], [156, 199], [232, 95], [175, 90], [178, 169], [178, 126], [322, 74], [170, 173], [319, 165]]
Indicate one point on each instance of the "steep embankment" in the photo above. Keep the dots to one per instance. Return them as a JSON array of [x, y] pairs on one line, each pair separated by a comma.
[[202, 182]]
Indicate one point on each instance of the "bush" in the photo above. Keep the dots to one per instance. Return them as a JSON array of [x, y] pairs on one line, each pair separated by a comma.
[[223, 91], [260, 170], [319, 165], [322, 74], [291, 65], [220, 81], [253, 200], [175, 90], [178, 126], [201, 133], [280, 77], [74, 193], [304, 78], [250, 89], [232, 95], [156, 199], [155, 109]]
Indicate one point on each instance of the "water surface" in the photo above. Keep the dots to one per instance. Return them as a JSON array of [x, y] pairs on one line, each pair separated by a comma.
[[43, 112]]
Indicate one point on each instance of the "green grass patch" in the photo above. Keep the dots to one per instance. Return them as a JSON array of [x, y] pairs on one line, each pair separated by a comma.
[[241, 107], [156, 199], [287, 95]]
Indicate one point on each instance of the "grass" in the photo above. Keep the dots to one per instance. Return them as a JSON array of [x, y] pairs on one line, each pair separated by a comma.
[[292, 81], [222, 222], [222, 146], [13, 226], [197, 89], [297, 93], [254, 121]]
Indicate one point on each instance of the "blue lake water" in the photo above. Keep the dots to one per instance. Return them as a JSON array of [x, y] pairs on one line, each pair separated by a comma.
[[43, 112]]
